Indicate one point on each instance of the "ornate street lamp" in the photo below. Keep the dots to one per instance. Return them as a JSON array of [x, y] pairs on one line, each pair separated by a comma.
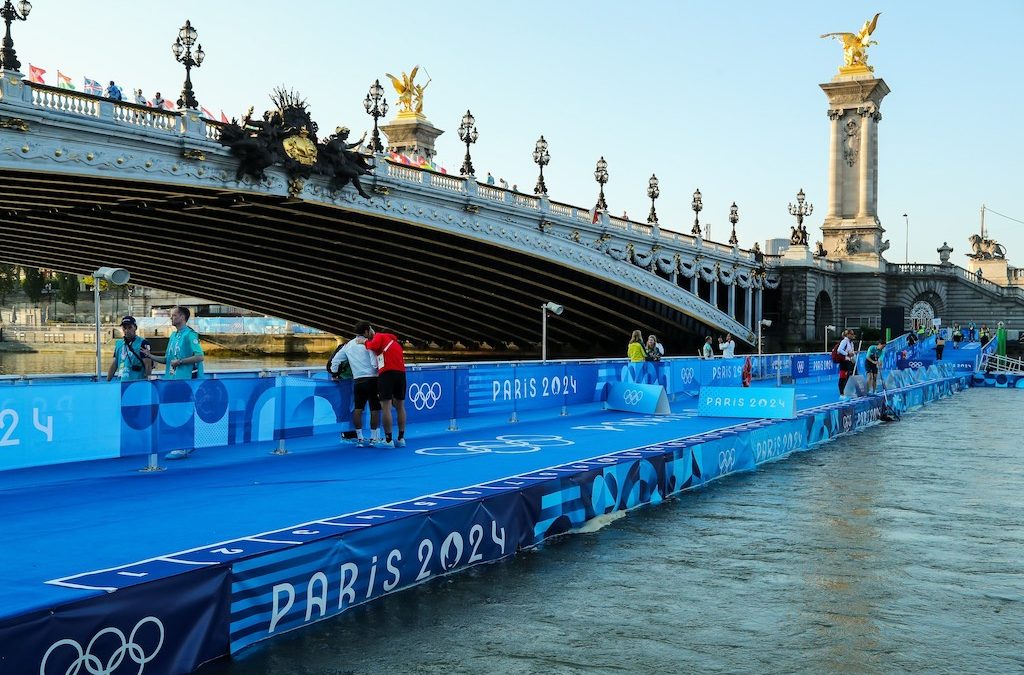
[[653, 193], [799, 236], [376, 107], [8, 58], [697, 205], [468, 134], [734, 217], [601, 176], [541, 157], [182, 49]]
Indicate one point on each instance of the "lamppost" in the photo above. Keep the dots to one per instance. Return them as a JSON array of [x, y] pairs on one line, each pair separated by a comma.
[[376, 107], [541, 157], [828, 328], [601, 176], [799, 237], [734, 217], [653, 192], [118, 277], [555, 309], [906, 250], [468, 134], [697, 205], [766, 323], [182, 49], [7, 56]]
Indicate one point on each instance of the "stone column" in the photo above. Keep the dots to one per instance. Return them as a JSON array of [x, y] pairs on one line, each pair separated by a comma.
[[732, 300], [693, 281], [865, 160], [748, 308], [835, 157], [714, 293], [758, 305]]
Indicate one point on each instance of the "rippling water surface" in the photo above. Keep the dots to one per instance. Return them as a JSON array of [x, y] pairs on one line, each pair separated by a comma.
[[900, 549]]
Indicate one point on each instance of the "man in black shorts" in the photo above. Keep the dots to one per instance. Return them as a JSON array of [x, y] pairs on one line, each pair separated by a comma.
[[364, 381], [391, 382]]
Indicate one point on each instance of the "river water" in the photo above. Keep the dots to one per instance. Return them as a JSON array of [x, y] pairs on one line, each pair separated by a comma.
[[899, 549]]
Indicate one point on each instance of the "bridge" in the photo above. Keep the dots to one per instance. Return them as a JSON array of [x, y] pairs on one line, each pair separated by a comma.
[[88, 181]]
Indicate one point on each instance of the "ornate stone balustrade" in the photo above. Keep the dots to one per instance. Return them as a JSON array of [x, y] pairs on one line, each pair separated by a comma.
[[954, 270]]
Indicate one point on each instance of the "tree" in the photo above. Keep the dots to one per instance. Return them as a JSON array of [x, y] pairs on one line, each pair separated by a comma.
[[9, 281], [33, 284], [67, 289]]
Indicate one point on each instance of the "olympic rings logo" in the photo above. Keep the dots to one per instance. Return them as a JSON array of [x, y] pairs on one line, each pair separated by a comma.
[[91, 661], [425, 396], [632, 396], [726, 461], [686, 375], [508, 444]]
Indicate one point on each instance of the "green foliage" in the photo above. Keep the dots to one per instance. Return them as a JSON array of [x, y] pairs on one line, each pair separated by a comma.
[[33, 284], [67, 289], [9, 281], [869, 334]]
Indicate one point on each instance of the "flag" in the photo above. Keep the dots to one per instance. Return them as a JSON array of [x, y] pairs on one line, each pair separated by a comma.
[[597, 215], [170, 105], [224, 118], [63, 81], [92, 87], [206, 113], [35, 74]]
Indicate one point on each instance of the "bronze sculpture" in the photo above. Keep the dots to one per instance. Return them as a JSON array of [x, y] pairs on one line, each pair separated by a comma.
[[855, 45]]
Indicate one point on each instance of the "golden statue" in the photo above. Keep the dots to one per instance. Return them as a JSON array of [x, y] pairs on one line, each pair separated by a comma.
[[410, 94], [855, 46]]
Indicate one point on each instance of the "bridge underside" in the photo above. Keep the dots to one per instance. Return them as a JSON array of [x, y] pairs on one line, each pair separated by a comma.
[[321, 266]]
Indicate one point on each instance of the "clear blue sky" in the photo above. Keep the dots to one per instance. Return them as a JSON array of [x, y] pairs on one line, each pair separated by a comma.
[[720, 96]]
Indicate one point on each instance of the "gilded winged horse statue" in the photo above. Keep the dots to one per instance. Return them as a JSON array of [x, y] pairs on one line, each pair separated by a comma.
[[855, 45]]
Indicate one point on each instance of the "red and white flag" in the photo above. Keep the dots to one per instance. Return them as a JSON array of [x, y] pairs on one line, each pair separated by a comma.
[[224, 118], [36, 74], [207, 114], [170, 105]]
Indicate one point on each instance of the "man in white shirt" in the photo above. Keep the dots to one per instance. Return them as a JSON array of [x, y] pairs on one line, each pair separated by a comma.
[[849, 359], [364, 380], [727, 346]]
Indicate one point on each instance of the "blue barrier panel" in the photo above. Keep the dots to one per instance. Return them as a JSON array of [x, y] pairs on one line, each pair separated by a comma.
[[721, 372], [431, 394], [771, 403], [639, 398], [641, 372], [52, 424], [684, 376], [587, 382], [813, 365], [541, 386], [485, 389]]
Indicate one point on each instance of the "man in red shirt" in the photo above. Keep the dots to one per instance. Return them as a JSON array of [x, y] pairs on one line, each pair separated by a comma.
[[390, 381]]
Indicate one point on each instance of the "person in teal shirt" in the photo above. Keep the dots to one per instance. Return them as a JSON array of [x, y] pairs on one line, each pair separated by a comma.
[[184, 356], [129, 363], [871, 364]]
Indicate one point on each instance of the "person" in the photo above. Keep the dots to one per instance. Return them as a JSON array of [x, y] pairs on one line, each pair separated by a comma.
[[902, 362], [128, 363], [911, 338], [503, 184], [727, 346], [490, 178], [653, 349], [635, 350], [114, 91], [706, 351], [940, 345], [364, 381], [158, 100], [140, 98], [971, 332], [984, 336], [846, 365], [958, 336], [391, 383], [183, 358], [871, 363], [515, 188]]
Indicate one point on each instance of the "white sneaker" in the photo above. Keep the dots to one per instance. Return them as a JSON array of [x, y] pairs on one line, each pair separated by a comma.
[[399, 442], [364, 442]]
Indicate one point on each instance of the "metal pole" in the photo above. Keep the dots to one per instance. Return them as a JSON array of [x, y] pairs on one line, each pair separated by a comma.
[[760, 367], [96, 309], [906, 250], [543, 333]]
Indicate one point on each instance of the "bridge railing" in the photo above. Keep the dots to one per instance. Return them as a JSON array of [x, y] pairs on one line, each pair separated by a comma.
[[955, 270]]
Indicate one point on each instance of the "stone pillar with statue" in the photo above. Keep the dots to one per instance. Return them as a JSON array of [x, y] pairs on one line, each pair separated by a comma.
[[852, 230], [411, 133]]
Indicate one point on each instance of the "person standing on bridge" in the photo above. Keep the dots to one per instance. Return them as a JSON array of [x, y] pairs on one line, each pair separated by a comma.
[[848, 355], [364, 381], [391, 382], [707, 351], [635, 351], [728, 346], [129, 364], [114, 91]]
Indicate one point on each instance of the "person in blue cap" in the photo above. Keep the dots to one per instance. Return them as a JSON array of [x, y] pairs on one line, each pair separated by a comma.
[[129, 363]]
